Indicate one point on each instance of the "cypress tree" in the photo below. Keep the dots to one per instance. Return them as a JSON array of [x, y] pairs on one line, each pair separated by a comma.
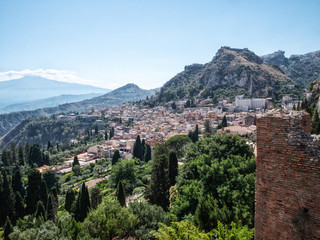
[[33, 191], [111, 133], [75, 161], [116, 156], [158, 189], [147, 155], [95, 197], [27, 152], [35, 155], [52, 208], [121, 195], [7, 199], [143, 145], [20, 156], [13, 154], [7, 229], [44, 193], [54, 193], [224, 121], [207, 126], [70, 197], [173, 168], [294, 107], [19, 207], [84, 202], [196, 134], [75, 209], [17, 183], [96, 130], [137, 148], [6, 158], [40, 210], [53, 203]]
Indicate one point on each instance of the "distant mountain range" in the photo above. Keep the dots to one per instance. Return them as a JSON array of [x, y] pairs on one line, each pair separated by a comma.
[[129, 92], [31, 88], [231, 72], [47, 102]]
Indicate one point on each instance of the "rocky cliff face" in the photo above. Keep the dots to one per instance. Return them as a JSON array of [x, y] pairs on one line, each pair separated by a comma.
[[303, 69], [277, 58], [239, 71]]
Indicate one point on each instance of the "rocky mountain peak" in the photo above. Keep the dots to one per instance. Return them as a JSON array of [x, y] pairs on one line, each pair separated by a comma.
[[231, 72], [303, 69], [277, 58], [237, 53], [128, 86]]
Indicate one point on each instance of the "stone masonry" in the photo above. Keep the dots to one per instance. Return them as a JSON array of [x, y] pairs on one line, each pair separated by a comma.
[[288, 178]]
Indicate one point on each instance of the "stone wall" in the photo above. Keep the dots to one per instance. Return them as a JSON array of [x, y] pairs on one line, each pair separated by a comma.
[[288, 178]]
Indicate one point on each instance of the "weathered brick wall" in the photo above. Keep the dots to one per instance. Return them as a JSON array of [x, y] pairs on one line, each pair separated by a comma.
[[287, 178]]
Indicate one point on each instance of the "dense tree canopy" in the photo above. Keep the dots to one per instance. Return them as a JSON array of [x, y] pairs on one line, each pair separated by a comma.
[[110, 220], [178, 142], [124, 171], [212, 189], [217, 182]]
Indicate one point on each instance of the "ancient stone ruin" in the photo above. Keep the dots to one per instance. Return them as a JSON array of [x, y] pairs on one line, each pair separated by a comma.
[[287, 178]]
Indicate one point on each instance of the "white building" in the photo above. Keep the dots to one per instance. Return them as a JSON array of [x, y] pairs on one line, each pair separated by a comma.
[[245, 104]]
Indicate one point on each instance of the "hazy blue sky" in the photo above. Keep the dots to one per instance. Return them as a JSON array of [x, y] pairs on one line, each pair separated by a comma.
[[111, 43]]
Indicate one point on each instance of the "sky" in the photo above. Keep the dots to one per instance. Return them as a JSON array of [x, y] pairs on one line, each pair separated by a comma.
[[111, 43]]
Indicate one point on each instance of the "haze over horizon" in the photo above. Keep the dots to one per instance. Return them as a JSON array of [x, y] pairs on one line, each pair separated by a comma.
[[109, 44]]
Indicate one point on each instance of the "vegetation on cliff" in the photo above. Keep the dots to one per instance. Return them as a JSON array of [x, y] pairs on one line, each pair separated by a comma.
[[214, 188]]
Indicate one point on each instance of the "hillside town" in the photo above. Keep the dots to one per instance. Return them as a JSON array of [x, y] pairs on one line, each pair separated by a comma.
[[162, 122]]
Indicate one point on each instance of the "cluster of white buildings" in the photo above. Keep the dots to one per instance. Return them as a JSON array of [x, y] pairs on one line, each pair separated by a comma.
[[245, 104]]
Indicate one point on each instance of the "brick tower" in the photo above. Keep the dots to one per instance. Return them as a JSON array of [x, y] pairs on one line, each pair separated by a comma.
[[288, 178]]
